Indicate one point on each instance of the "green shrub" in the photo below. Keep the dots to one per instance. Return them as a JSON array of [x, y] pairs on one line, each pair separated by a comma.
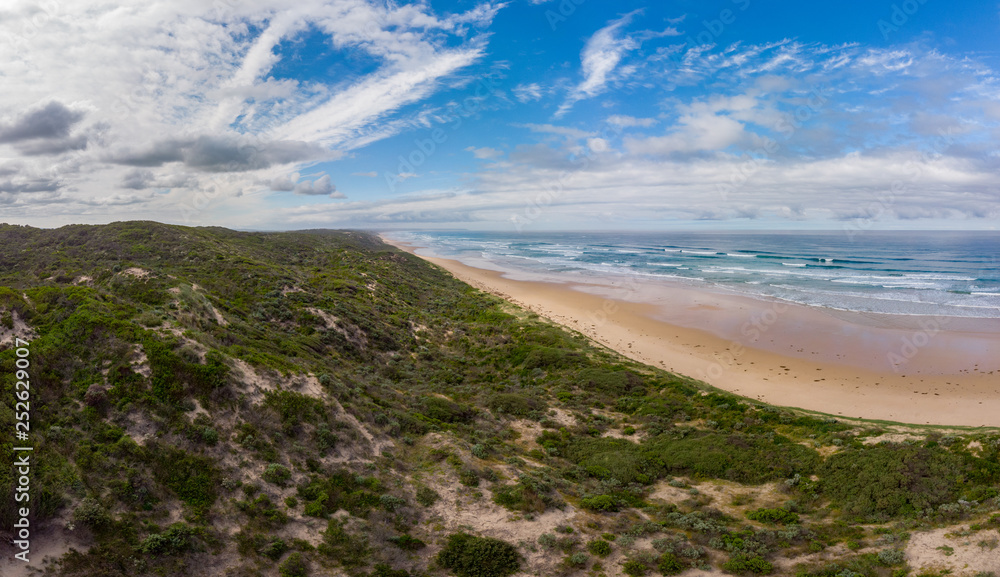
[[888, 480], [773, 516], [634, 568], [209, 436], [407, 542], [470, 556], [468, 477], [340, 490], [427, 496], [91, 513], [276, 474], [516, 404], [612, 383], [274, 549], [519, 497], [746, 564], [178, 538], [669, 564], [349, 549], [599, 547], [890, 557], [193, 478], [294, 408], [551, 358], [391, 502], [735, 457], [599, 503], [447, 411], [294, 566], [547, 540], [383, 570]]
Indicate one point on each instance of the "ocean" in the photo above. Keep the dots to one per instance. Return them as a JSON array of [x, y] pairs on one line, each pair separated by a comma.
[[899, 273]]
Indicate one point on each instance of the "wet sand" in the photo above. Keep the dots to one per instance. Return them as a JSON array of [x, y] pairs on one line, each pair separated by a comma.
[[908, 369]]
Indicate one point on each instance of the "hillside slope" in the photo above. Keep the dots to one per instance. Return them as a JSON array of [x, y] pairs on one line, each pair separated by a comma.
[[211, 402]]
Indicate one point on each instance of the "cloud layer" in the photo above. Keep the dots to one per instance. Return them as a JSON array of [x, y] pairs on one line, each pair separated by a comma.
[[186, 97], [262, 114]]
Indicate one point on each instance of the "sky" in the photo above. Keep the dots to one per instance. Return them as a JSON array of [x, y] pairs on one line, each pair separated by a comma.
[[509, 116]]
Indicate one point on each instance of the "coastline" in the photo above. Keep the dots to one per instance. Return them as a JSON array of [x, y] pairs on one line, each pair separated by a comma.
[[782, 354]]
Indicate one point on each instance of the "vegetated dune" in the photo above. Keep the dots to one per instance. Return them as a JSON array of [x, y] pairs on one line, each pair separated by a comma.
[[212, 402]]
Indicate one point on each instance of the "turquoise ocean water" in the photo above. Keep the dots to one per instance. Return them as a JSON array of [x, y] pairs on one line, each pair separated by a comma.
[[903, 273]]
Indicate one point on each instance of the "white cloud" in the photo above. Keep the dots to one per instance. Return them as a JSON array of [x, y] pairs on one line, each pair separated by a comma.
[[598, 145], [599, 58], [182, 94], [322, 186], [622, 121], [485, 153], [567, 131], [527, 92], [702, 126]]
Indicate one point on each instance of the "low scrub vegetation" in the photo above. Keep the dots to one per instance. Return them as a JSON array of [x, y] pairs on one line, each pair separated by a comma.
[[318, 403]]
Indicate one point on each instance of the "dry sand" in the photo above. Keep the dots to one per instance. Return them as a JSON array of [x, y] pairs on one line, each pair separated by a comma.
[[787, 355]]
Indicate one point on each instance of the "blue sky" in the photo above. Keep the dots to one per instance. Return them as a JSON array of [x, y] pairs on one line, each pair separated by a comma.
[[519, 115]]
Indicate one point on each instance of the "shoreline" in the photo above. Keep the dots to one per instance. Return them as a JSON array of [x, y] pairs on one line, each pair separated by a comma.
[[798, 357]]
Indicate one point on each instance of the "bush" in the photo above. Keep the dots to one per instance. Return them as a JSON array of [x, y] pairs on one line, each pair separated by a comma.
[[551, 358], [519, 497], [91, 513], [407, 542], [889, 480], [613, 383], [276, 474], [470, 556], [599, 547], [634, 568], [178, 538], [745, 564], [209, 436], [773, 516], [193, 478], [274, 549], [294, 566], [447, 411], [427, 496], [669, 564], [547, 540], [391, 502], [890, 557], [734, 457], [383, 570], [514, 404], [599, 503]]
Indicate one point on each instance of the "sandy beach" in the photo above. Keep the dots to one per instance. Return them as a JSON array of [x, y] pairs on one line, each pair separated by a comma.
[[907, 369]]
